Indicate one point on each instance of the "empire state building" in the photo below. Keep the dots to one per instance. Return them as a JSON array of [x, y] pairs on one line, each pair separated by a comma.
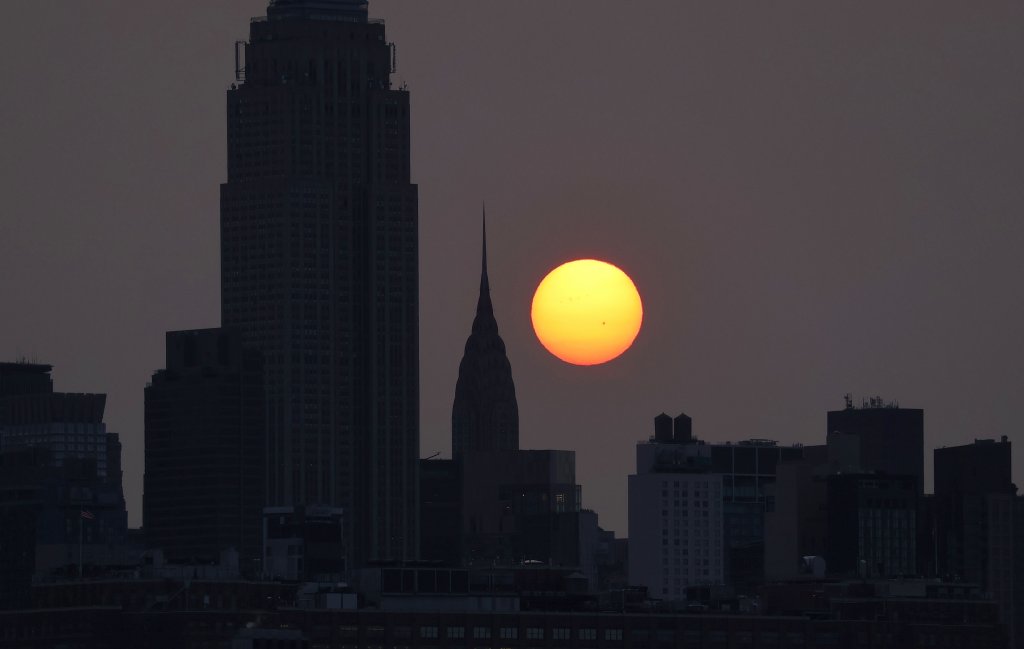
[[319, 265]]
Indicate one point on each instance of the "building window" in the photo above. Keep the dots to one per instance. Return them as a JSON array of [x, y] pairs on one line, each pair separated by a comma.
[[534, 633], [481, 632], [456, 632], [613, 634], [588, 634], [509, 632], [561, 634], [428, 631]]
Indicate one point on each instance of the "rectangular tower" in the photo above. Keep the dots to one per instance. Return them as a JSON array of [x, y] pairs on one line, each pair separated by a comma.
[[675, 514], [319, 265], [205, 417], [879, 436]]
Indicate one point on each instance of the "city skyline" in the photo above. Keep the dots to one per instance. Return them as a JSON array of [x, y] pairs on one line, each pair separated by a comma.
[[799, 226]]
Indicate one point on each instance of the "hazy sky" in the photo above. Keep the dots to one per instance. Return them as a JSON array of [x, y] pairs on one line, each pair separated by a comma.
[[813, 199]]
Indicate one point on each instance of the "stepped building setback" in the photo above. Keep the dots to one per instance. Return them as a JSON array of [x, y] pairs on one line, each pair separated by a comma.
[[319, 266]]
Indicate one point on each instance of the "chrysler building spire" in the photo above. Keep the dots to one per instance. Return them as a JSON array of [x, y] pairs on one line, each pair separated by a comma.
[[485, 415]]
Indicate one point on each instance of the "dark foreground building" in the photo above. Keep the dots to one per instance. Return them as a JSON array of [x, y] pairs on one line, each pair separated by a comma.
[[879, 436], [319, 265], [520, 507], [62, 509], [441, 511], [205, 446], [198, 619], [977, 536], [872, 529]]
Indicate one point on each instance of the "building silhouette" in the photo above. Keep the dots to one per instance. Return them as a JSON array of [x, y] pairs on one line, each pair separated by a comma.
[[485, 415], [520, 507], [796, 515], [205, 418], [319, 265], [879, 436], [977, 535], [62, 508], [494, 504], [441, 511], [871, 525], [748, 470]]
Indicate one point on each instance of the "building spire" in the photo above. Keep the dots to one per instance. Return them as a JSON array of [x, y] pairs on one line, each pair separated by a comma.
[[483, 305], [485, 414]]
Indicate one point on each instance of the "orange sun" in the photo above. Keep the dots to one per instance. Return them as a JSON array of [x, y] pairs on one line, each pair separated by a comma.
[[587, 312]]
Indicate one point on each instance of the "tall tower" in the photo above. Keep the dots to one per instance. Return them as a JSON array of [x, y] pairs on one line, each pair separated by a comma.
[[319, 265], [485, 415]]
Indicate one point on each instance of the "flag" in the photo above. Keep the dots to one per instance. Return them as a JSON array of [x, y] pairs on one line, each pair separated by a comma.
[[86, 514]]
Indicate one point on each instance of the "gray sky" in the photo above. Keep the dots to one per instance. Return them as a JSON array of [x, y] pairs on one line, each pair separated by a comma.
[[813, 199]]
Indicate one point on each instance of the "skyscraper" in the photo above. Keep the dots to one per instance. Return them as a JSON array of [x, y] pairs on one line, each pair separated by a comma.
[[205, 416], [485, 415], [319, 265]]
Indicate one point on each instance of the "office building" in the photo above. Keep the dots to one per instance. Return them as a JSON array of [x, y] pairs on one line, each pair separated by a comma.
[[304, 543], [965, 477], [976, 533], [872, 530], [69, 425], [795, 520], [485, 415], [61, 502], [441, 511], [319, 265], [17, 379], [878, 436], [520, 507], [747, 469], [205, 445]]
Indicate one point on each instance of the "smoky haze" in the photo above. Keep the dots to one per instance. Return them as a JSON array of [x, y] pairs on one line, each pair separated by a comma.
[[813, 199]]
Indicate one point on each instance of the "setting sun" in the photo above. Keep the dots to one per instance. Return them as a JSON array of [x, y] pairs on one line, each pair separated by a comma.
[[586, 312]]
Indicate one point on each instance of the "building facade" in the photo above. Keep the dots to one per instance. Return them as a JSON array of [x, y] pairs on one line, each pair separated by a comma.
[[675, 516], [872, 525], [319, 265], [746, 470], [520, 507], [205, 417]]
